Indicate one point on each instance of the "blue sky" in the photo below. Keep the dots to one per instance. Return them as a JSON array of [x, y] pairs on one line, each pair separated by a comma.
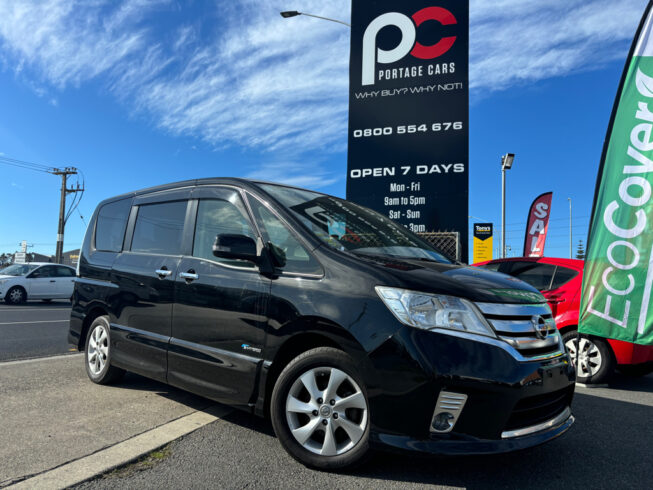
[[143, 92]]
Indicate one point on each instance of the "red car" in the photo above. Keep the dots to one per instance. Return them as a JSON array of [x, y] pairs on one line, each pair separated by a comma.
[[560, 281]]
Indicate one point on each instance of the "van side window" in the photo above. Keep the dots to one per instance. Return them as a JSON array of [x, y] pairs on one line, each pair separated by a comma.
[[298, 259], [215, 217], [159, 228], [111, 224]]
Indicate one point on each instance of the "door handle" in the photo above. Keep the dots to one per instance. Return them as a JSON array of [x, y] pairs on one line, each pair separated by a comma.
[[163, 273], [189, 276]]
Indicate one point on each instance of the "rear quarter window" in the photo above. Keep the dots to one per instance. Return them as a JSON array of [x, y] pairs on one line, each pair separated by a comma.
[[562, 277], [111, 225]]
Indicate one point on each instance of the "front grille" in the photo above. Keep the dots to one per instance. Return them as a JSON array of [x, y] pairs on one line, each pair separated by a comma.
[[536, 409], [514, 325]]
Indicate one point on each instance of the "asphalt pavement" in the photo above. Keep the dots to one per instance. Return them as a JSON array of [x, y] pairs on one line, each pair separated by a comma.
[[608, 447], [51, 413], [34, 329]]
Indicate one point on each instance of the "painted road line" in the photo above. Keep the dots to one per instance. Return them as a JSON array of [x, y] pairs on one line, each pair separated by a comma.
[[87, 467], [40, 321], [35, 309], [58, 357]]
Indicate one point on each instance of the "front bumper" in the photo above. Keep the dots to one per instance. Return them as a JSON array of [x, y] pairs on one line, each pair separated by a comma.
[[459, 444], [510, 403]]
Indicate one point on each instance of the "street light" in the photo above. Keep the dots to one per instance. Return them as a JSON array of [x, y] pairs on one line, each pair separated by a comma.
[[506, 164], [293, 13]]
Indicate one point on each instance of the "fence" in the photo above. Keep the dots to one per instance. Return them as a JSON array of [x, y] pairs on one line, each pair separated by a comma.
[[448, 242]]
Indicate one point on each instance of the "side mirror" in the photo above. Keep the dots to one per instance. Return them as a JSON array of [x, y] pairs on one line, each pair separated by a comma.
[[241, 247], [278, 255]]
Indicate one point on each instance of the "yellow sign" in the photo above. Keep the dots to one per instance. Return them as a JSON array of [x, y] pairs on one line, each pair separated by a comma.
[[482, 242]]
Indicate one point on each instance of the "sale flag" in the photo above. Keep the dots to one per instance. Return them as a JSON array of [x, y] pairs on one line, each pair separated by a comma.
[[618, 274], [537, 225]]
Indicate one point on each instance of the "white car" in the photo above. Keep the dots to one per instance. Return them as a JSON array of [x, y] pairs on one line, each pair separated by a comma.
[[36, 280]]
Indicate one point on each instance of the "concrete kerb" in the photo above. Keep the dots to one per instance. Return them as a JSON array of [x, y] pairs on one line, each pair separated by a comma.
[[87, 467]]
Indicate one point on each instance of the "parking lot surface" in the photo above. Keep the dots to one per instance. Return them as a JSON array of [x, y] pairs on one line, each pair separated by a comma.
[[608, 447], [34, 329], [51, 413]]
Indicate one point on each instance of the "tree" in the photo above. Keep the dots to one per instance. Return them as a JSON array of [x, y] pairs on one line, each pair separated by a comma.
[[580, 251]]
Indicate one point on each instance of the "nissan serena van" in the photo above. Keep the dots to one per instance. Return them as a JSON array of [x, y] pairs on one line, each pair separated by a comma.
[[347, 330]]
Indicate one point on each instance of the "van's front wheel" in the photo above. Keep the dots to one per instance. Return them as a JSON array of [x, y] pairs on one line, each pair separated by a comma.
[[320, 411]]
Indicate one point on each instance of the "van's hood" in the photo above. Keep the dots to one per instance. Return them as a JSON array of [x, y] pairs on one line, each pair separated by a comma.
[[472, 283]]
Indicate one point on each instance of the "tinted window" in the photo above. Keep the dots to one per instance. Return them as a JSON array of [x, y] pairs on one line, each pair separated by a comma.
[[45, 271], [111, 224], [159, 228], [537, 275], [563, 276], [220, 216], [491, 267], [274, 231], [65, 272], [344, 225]]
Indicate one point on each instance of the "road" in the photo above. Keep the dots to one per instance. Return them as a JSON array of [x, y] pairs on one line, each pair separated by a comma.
[[34, 329], [608, 447]]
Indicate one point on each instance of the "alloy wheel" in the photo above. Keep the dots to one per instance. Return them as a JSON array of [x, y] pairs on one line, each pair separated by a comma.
[[326, 411], [98, 349], [589, 356], [16, 295]]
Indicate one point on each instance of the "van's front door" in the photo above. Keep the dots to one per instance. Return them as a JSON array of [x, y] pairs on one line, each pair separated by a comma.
[[219, 317], [145, 273]]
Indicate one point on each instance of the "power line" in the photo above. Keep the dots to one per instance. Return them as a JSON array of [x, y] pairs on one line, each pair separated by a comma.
[[64, 213]]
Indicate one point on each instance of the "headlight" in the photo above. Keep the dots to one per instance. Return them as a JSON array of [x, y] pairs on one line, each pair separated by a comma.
[[431, 311]]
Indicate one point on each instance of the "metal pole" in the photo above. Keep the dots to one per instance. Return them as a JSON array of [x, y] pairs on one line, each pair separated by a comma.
[[62, 211], [325, 18], [503, 212], [570, 232]]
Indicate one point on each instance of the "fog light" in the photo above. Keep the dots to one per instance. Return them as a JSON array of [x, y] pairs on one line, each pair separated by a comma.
[[441, 422], [447, 410]]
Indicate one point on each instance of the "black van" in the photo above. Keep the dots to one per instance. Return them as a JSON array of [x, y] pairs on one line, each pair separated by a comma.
[[346, 329]]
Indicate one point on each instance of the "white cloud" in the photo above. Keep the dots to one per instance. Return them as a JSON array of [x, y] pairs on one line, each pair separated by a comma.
[[294, 173], [245, 76]]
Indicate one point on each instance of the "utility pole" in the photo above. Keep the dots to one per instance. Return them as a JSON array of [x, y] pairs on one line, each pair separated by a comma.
[[64, 173]]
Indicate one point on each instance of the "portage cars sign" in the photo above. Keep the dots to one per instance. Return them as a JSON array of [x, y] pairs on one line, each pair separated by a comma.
[[408, 113]]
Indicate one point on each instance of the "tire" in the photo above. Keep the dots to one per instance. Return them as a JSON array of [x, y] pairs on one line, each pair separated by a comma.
[[636, 370], [596, 361], [97, 354], [336, 432], [16, 296]]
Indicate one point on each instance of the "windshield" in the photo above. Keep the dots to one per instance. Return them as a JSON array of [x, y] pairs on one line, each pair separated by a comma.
[[346, 226], [18, 270]]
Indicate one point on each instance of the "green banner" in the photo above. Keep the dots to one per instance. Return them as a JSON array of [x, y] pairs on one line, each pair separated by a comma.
[[618, 274]]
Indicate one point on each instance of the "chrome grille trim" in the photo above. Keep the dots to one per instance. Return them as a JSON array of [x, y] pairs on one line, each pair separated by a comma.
[[513, 325], [521, 343], [501, 309], [518, 326]]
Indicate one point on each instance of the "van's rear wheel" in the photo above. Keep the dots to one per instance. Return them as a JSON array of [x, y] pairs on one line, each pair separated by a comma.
[[595, 360], [320, 411], [97, 355]]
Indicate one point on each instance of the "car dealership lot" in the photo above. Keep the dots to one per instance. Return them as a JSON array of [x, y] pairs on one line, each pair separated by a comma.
[[34, 329], [609, 447], [52, 414]]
